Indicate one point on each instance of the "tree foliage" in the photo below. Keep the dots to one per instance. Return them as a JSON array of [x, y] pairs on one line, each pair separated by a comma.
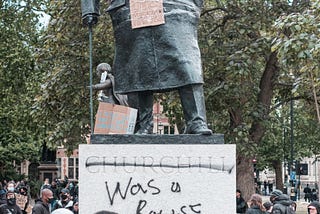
[[19, 139], [64, 56]]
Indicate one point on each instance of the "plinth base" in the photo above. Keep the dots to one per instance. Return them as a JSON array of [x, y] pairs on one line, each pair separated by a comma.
[[157, 139]]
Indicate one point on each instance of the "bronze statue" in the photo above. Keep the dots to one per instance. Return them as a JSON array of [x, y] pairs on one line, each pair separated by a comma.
[[157, 59], [106, 86]]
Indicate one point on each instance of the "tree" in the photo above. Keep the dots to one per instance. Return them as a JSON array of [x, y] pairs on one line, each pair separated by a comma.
[[64, 56], [19, 139], [244, 73]]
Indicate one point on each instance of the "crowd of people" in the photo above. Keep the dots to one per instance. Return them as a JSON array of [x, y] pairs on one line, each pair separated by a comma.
[[279, 203], [55, 196], [61, 195]]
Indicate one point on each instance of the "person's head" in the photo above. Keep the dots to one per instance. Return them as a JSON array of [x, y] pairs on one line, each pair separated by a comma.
[[268, 205], [11, 186], [11, 198], [62, 211], [23, 191], [294, 206], [47, 196], [314, 208], [102, 67], [256, 200], [53, 184], [65, 195], [47, 181], [76, 206], [275, 194], [238, 193]]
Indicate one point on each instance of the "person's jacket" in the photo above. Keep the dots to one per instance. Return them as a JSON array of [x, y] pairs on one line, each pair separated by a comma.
[[6, 208], [40, 208], [255, 210], [241, 205], [281, 204]]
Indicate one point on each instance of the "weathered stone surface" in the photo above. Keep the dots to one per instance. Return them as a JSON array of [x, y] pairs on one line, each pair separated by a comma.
[[157, 178], [158, 139]]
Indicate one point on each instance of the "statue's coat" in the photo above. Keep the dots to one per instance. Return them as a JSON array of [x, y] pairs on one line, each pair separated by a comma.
[[157, 58]]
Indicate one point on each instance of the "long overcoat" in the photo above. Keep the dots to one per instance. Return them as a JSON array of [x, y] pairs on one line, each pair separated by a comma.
[[157, 58]]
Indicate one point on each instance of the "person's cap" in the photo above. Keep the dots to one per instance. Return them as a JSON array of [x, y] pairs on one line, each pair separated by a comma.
[[267, 205], [315, 204], [65, 191], [276, 193]]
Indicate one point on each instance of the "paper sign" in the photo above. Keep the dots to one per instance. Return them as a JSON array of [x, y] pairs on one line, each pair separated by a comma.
[[21, 200], [157, 178], [146, 13], [115, 119]]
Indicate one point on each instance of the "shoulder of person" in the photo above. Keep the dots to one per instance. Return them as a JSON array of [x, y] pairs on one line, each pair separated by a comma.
[[3, 206]]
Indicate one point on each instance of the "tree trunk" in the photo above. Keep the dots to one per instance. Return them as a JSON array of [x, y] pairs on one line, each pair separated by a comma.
[[264, 98], [245, 177], [277, 165]]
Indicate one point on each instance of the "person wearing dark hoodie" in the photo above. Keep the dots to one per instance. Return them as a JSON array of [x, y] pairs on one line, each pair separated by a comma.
[[11, 206], [65, 201], [42, 204], [282, 205], [275, 194], [314, 208]]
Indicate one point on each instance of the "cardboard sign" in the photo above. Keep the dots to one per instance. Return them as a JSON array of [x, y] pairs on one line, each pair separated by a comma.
[[115, 119], [21, 200], [146, 13], [157, 178]]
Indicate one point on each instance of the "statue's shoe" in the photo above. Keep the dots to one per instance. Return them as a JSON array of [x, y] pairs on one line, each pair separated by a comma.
[[198, 128]]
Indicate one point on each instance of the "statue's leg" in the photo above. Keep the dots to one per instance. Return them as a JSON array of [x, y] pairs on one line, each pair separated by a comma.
[[143, 101], [192, 100]]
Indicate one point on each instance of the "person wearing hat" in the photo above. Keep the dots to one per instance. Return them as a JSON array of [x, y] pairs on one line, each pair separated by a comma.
[[268, 206], [11, 206], [281, 203], [314, 208], [65, 200], [275, 194]]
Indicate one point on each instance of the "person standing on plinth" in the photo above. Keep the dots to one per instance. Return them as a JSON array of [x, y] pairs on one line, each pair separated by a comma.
[[157, 58], [106, 86]]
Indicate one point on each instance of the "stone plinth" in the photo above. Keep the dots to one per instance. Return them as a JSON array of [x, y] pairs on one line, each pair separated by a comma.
[[141, 174], [158, 139]]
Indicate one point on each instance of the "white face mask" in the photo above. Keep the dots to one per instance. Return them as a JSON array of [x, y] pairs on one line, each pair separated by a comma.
[[11, 189]]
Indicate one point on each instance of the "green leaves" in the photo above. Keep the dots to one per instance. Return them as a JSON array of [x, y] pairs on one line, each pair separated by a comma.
[[19, 139]]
